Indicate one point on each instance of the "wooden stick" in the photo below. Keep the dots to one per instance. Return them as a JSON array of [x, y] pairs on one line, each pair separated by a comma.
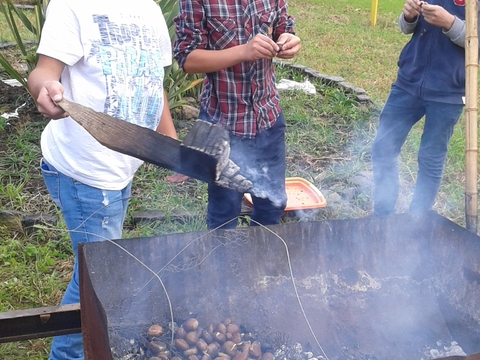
[[471, 148], [143, 143]]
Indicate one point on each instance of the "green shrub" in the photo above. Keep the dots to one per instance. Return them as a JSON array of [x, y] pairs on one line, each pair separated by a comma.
[[29, 56]]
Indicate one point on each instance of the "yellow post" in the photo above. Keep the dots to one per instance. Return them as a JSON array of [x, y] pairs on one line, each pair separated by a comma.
[[373, 13]]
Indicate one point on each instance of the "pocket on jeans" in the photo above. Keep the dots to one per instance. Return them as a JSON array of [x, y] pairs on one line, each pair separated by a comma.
[[50, 177]]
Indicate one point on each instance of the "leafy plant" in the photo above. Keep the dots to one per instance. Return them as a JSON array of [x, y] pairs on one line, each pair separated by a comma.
[[177, 82], [11, 12]]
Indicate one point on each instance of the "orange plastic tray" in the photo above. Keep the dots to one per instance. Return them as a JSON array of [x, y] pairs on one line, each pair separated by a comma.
[[301, 194]]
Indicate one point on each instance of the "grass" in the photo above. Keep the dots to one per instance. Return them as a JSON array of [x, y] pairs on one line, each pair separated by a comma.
[[328, 142], [338, 39], [5, 34]]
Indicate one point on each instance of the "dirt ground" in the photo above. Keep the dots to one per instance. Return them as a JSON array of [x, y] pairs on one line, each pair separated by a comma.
[[14, 96], [11, 98], [15, 99]]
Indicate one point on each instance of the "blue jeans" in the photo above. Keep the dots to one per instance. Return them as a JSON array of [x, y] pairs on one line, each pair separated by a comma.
[[400, 112], [262, 160], [90, 214]]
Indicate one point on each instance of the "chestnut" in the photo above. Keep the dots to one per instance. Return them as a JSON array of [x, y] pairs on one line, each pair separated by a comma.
[[181, 344], [191, 351], [219, 337], [180, 333], [237, 338], [212, 349], [155, 330], [243, 353], [240, 356], [201, 345], [157, 346], [209, 328], [221, 328], [191, 337], [207, 336], [255, 349], [229, 348], [232, 328], [268, 356], [165, 354], [190, 324]]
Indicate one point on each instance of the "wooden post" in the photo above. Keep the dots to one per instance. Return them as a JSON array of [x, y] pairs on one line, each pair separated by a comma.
[[373, 13], [471, 83]]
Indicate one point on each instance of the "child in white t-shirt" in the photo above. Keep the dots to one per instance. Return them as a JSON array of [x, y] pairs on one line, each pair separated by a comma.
[[108, 55]]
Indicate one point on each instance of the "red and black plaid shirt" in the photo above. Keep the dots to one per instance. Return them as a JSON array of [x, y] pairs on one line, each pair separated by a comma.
[[242, 98]]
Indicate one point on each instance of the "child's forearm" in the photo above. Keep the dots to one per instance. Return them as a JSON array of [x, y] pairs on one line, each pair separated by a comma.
[[44, 85], [166, 126], [206, 61], [47, 69]]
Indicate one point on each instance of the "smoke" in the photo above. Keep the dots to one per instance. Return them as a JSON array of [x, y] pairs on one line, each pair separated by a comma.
[[265, 187], [371, 288]]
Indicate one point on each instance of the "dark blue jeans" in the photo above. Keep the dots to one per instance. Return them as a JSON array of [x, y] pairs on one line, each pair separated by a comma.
[[401, 111], [262, 160]]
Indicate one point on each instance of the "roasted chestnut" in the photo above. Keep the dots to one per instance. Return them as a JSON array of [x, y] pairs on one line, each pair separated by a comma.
[[212, 349], [229, 348], [232, 328], [207, 336], [268, 356], [155, 330], [237, 338], [191, 351], [181, 344], [223, 356], [255, 349], [180, 333], [190, 324], [221, 328], [191, 337], [157, 346], [209, 328], [219, 337], [201, 345]]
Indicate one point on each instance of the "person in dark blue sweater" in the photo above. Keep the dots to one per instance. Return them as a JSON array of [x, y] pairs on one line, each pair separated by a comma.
[[430, 83]]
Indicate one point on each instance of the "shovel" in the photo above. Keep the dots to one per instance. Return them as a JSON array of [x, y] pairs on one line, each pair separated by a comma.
[[203, 155]]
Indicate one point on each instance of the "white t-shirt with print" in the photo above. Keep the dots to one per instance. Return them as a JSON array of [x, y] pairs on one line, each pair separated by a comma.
[[115, 52]]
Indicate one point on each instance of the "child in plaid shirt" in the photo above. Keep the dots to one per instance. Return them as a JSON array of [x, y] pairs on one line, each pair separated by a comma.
[[234, 45]]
